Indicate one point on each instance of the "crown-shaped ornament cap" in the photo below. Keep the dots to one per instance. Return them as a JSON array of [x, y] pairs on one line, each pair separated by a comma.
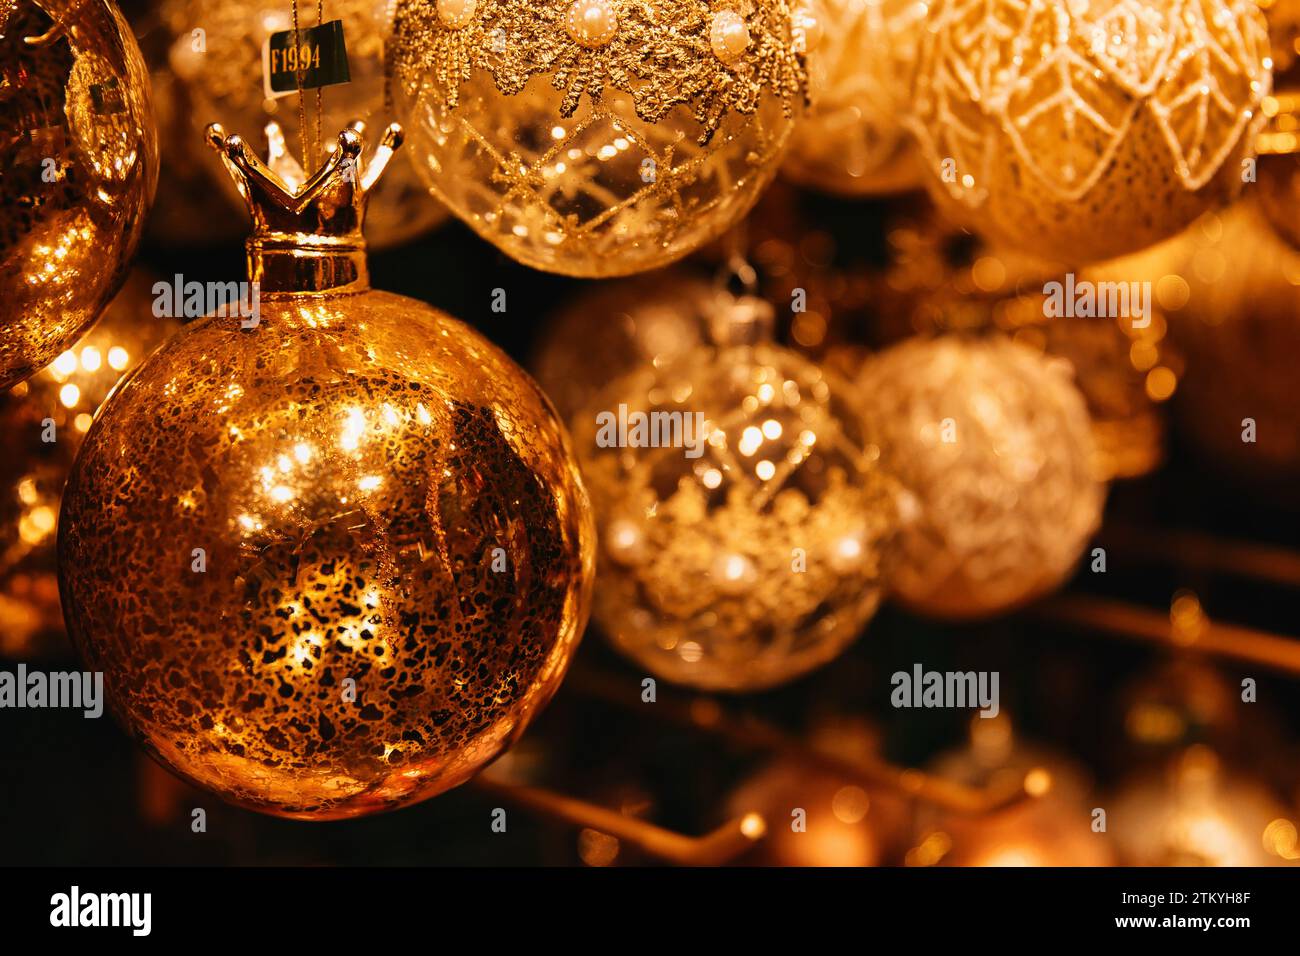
[[306, 237]]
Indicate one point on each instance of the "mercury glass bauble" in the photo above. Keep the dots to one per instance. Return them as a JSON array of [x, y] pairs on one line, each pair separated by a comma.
[[79, 157], [334, 562], [753, 550], [992, 443]]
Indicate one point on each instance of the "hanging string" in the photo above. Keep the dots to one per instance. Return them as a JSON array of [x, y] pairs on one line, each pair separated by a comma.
[[302, 108], [316, 139]]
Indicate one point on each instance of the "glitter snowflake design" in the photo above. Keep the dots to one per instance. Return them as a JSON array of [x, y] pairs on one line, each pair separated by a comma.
[[660, 54], [1058, 78]]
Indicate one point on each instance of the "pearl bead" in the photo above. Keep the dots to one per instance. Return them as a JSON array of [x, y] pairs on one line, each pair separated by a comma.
[[592, 23], [456, 13], [808, 29], [729, 36]]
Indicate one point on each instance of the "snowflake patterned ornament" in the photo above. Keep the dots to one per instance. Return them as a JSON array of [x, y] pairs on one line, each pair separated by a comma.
[[597, 137], [1090, 128]]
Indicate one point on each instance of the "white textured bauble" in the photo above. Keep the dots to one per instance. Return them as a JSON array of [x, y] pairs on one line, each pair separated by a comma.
[[596, 137], [1085, 130], [993, 442], [861, 61]]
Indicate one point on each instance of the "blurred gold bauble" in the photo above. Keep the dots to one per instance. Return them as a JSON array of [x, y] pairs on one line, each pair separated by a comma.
[[396, 549], [1276, 191], [597, 137], [852, 141], [618, 326], [993, 444], [42, 422], [758, 560], [217, 56], [941, 279], [1082, 131], [79, 157], [1238, 332], [1197, 812], [1053, 827]]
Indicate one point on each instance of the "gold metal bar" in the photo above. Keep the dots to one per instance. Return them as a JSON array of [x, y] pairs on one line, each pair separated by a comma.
[[712, 849], [1203, 552], [751, 733], [1120, 619]]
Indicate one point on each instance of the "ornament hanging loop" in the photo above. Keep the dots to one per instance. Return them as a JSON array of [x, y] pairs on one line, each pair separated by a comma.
[[740, 316]]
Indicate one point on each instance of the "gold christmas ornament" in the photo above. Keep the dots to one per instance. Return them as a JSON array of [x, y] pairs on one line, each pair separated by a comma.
[[1238, 332], [217, 54], [332, 561], [993, 445], [80, 161], [1197, 812], [1083, 131], [1052, 828], [861, 57], [743, 521], [597, 137], [615, 327], [42, 422]]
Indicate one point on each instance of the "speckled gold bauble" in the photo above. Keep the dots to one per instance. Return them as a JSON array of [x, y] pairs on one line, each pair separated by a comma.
[[616, 327], [1051, 828], [596, 137], [1082, 131], [993, 444], [1239, 334], [760, 558], [1195, 811], [42, 422], [80, 160], [861, 59], [222, 73], [333, 563]]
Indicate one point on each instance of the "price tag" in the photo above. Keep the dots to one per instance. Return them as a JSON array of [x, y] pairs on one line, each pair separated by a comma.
[[304, 60]]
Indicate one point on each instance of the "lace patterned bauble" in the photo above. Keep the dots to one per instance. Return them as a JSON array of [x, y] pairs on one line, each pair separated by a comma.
[[335, 562], [615, 327], [79, 157], [861, 59], [596, 137], [757, 560], [1082, 131], [217, 56], [42, 422], [993, 444]]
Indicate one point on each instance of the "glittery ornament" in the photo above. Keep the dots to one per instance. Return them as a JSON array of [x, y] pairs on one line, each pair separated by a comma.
[[747, 550], [608, 331], [332, 563], [861, 56], [597, 137], [80, 161], [1195, 811], [217, 56], [992, 443], [42, 422], [1082, 131], [1238, 332]]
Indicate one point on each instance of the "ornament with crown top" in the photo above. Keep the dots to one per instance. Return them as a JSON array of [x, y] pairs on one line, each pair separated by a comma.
[[334, 558]]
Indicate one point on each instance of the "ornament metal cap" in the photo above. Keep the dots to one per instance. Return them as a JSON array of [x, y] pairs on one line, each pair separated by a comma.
[[306, 237]]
